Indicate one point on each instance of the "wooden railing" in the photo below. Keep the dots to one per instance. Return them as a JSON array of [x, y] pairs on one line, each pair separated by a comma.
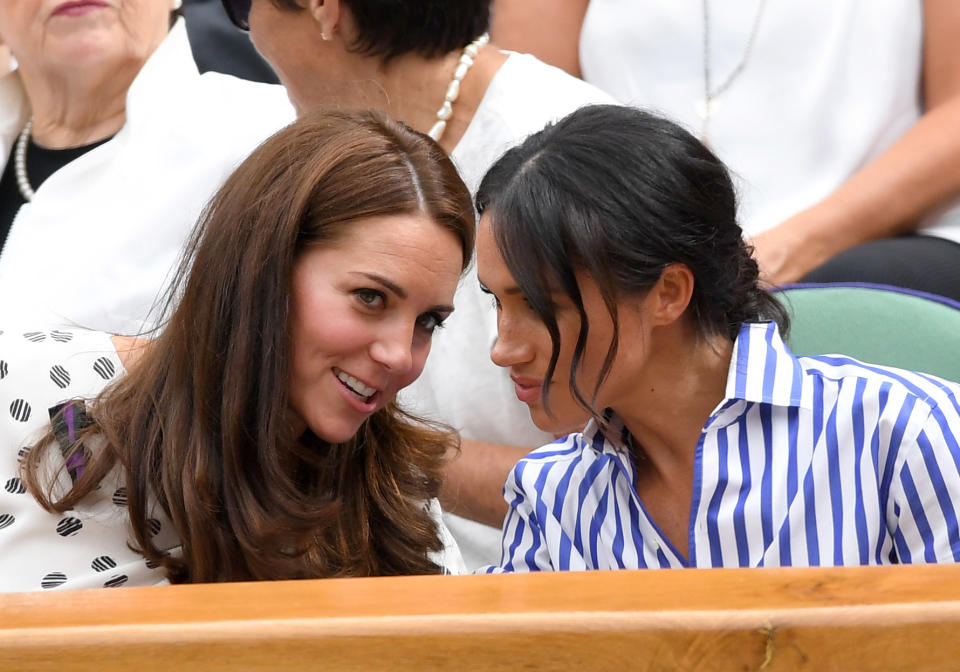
[[890, 618]]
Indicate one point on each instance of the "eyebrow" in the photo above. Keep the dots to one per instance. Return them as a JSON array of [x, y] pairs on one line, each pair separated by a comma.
[[509, 291], [397, 289]]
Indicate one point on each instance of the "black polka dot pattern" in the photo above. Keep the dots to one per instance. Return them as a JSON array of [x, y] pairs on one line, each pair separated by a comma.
[[82, 547], [69, 526], [60, 376], [20, 410], [15, 486], [103, 563], [104, 368], [52, 580], [151, 564], [116, 581]]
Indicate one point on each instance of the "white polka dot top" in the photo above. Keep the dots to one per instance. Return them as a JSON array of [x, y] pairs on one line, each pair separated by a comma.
[[85, 547]]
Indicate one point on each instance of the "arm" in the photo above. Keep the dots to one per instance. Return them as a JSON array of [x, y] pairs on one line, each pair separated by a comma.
[[890, 195], [473, 480], [548, 29], [926, 492]]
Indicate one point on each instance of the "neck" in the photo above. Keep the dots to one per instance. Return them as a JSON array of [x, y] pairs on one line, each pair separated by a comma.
[[681, 387], [73, 109], [409, 88]]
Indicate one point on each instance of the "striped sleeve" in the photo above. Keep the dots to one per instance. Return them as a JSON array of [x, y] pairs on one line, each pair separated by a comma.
[[524, 544], [927, 491]]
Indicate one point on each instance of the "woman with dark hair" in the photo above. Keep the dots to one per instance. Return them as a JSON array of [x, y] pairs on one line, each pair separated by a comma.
[[257, 437], [628, 301], [838, 117], [428, 64]]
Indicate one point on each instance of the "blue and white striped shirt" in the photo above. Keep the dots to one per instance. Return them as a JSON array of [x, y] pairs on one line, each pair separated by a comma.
[[807, 461]]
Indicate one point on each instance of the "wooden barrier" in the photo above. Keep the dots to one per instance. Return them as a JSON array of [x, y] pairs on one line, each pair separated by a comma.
[[888, 618]]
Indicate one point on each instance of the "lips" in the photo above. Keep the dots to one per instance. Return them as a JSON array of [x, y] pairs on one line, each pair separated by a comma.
[[78, 7], [528, 389], [360, 396]]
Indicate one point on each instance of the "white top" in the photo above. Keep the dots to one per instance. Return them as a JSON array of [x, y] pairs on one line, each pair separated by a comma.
[[86, 547], [460, 385], [96, 244], [807, 461], [829, 85]]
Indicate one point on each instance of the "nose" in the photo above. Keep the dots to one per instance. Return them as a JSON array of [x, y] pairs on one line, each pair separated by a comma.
[[394, 349], [510, 349]]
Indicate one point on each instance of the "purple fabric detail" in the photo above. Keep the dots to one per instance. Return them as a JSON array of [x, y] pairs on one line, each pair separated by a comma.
[[871, 285], [68, 418], [75, 463]]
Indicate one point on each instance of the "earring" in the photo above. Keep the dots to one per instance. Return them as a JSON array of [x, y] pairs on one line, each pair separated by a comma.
[[177, 4], [325, 37]]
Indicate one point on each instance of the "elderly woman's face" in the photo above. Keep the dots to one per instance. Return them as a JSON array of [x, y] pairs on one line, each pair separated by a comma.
[[72, 35]]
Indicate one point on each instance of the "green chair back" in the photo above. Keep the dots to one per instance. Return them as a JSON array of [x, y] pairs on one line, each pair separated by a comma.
[[877, 324]]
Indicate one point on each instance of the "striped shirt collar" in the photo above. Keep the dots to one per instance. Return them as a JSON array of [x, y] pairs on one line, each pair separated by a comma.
[[762, 371]]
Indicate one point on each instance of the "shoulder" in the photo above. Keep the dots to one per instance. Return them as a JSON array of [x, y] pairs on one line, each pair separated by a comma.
[[547, 90], [564, 456], [241, 107], [39, 369], [885, 386]]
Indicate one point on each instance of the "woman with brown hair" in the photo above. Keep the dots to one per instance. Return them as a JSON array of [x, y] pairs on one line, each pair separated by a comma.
[[257, 437], [429, 64]]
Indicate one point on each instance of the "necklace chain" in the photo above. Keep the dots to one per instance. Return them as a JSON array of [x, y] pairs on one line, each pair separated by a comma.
[[453, 89], [20, 162], [709, 93]]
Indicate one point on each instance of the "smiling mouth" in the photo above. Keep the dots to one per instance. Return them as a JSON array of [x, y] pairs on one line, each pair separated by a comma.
[[357, 388]]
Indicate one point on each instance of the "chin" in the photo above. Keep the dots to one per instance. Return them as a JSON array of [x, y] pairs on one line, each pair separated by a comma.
[[340, 434], [558, 425]]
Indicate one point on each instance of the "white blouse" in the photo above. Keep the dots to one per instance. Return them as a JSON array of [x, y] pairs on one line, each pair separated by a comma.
[[85, 547], [826, 87]]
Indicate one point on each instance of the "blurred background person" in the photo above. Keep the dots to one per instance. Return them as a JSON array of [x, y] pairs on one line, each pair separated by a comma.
[[112, 143], [839, 118], [428, 64]]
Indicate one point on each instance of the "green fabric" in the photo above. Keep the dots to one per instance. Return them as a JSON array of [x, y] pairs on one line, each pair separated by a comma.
[[877, 326]]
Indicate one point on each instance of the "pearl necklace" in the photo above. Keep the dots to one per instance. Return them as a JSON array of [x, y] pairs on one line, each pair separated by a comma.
[[453, 90], [20, 162]]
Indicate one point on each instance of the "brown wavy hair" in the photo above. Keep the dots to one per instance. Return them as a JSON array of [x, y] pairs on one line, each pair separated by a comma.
[[200, 427]]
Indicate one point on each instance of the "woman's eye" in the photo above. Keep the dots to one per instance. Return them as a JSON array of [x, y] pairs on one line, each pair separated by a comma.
[[429, 322], [370, 298]]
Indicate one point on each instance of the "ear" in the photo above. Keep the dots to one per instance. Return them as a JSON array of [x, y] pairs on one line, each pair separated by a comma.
[[326, 13], [668, 299]]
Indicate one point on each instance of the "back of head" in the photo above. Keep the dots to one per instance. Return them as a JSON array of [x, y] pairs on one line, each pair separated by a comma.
[[430, 28], [621, 194]]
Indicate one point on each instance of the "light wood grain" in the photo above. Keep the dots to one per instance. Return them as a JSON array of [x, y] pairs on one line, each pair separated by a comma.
[[891, 618]]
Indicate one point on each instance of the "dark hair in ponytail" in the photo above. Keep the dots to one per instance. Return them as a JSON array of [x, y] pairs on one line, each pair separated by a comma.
[[621, 194]]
